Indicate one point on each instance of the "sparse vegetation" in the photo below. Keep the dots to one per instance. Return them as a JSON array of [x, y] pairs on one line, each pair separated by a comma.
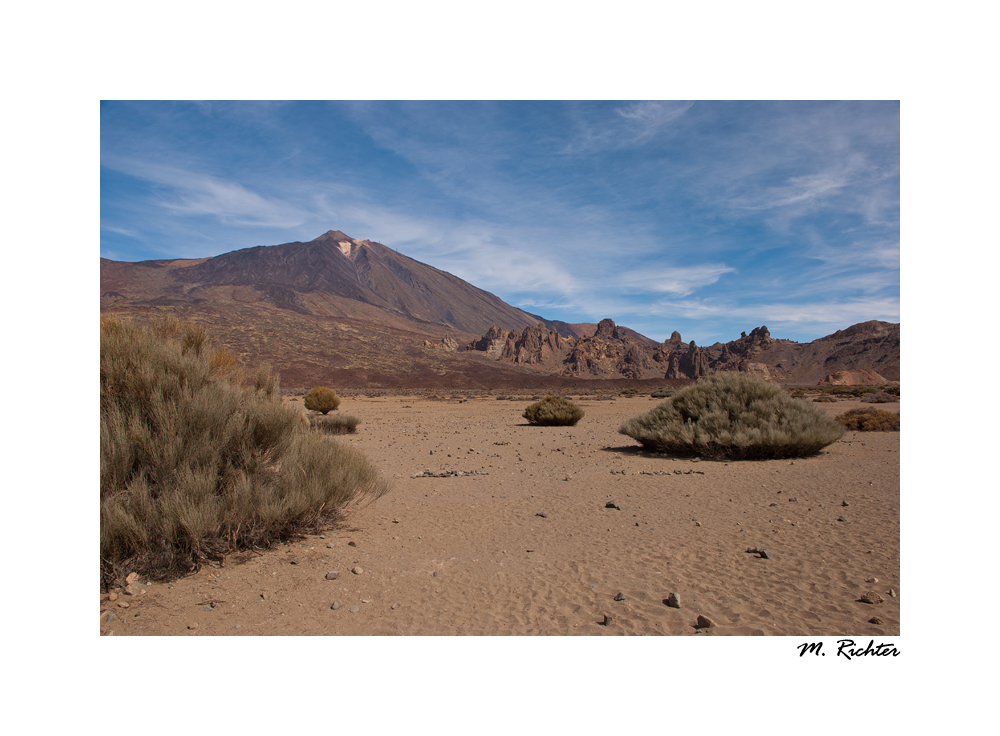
[[339, 424], [663, 393], [321, 399], [199, 459], [734, 415], [870, 420], [629, 392], [879, 397], [553, 411], [824, 400]]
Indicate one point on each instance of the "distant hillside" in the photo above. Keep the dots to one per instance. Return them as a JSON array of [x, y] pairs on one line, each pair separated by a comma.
[[354, 313]]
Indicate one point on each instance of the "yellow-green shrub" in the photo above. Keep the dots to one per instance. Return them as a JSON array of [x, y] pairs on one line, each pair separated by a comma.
[[553, 411], [321, 399]]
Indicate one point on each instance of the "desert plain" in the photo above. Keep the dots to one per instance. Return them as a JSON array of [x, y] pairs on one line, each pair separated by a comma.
[[493, 526]]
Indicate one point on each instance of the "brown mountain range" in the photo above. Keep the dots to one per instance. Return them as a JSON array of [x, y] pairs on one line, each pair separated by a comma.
[[353, 313]]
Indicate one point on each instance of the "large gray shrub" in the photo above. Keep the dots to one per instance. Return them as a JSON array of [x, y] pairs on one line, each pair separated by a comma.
[[734, 415]]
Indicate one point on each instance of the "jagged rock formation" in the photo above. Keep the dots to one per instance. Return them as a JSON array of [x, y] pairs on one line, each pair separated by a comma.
[[612, 353]]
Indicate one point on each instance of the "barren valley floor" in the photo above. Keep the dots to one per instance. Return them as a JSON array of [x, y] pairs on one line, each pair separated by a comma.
[[523, 542]]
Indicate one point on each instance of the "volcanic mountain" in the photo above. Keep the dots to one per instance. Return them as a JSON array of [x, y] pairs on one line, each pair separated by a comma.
[[346, 312]]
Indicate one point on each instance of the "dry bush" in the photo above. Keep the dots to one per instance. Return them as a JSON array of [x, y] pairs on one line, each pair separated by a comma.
[[879, 397], [870, 420], [824, 400], [340, 424], [194, 465], [321, 399], [663, 393], [734, 415], [553, 411]]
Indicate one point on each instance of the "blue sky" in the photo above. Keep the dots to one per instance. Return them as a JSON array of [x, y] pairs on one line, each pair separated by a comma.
[[709, 218]]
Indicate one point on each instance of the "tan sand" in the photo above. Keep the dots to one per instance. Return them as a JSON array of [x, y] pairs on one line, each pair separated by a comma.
[[472, 555]]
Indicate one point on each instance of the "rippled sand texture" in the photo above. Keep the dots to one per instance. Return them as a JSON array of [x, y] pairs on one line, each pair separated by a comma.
[[681, 527]]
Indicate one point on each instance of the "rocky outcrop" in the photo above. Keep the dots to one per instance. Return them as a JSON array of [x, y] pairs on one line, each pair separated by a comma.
[[534, 346], [612, 353]]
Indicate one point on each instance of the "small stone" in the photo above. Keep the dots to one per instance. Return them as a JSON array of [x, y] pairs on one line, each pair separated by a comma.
[[871, 597], [841, 518], [333, 575], [123, 604], [876, 620], [774, 504], [673, 601], [697, 523], [294, 560], [394, 606], [434, 574], [336, 604], [352, 543], [112, 596], [763, 554], [871, 580], [793, 499], [606, 622], [892, 593], [612, 505], [322, 536], [542, 514], [357, 570], [704, 623], [107, 617], [192, 627], [354, 609], [844, 503], [620, 597], [395, 521], [131, 577], [330, 545]]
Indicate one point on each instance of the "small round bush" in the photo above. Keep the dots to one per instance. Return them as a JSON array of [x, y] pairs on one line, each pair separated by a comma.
[[734, 415], [824, 399], [553, 411], [340, 424], [879, 397], [870, 420], [663, 393], [321, 399]]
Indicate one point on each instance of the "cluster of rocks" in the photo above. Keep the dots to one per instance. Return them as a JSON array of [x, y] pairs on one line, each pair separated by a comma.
[[447, 473]]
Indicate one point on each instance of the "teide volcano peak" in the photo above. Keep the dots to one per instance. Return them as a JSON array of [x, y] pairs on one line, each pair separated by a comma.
[[362, 270]]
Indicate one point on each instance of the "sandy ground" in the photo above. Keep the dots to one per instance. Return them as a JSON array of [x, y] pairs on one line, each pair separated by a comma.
[[527, 545]]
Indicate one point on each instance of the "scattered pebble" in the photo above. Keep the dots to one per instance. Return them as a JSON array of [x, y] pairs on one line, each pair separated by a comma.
[[844, 503], [620, 597], [871, 580], [333, 575], [543, 515], [892, 593], [841, 518], [354, 609], [876, 620], [330, 545], [294, 560], [704, 623], [871, 597], [336, 604], [673, 601], [357, 570], [123, 604], [112, 596], [394, 606], [612, 505], [131, 577], [434, 574], [192, 627], [108, 616], [352, 543], [606, 621]]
